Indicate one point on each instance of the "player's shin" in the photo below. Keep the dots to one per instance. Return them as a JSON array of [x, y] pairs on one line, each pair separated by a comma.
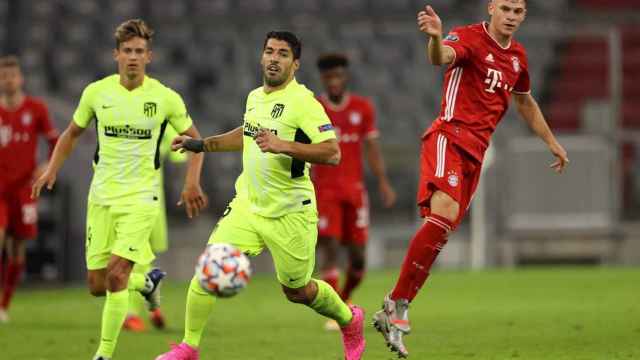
[[422, 253], [10, 282], [133, 321], [113, 315], [3, 269], [328, 303], [199, 307], [354, 278], [137, 284]]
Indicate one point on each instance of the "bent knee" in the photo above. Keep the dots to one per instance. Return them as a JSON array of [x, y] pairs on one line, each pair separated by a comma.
[[96, 288], [297, 296], [116, 280], [95, 282], [444, 205]]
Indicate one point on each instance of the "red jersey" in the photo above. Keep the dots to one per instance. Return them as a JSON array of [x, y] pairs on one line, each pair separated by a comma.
[[478, 86], [19, 130], [354, 121]]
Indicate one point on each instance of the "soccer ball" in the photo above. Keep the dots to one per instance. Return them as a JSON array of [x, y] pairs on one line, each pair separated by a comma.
[[223, 270]]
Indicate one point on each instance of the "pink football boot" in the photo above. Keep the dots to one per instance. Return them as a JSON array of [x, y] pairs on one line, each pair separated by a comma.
[[353, 335], [181, 351]]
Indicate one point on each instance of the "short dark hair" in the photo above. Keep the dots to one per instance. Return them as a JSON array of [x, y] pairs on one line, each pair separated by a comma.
[[131, 29], [330, 61], [525, 1], [9, 61], [289, 37]]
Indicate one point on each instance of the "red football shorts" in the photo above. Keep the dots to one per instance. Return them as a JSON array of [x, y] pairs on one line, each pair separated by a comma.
[[446, 167], [343, 213], [19, 213]]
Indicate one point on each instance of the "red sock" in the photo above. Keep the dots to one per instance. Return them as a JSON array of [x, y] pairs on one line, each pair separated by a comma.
[[11, 279], [331, 276], [354, 277], [423, 251]]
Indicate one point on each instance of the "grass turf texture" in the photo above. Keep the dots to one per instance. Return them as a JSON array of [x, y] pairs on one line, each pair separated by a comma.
[[561, 313]]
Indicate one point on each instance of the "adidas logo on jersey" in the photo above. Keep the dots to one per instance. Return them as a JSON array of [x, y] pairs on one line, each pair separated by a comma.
[[489, 58]]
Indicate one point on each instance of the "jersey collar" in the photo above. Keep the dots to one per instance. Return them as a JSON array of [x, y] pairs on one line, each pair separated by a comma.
[[291, 85], [485, 26], [17, 108], [346, 99], [145, 84]]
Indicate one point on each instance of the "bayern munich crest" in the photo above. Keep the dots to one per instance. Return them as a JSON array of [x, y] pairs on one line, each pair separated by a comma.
[[26, 119], [453, 179], [516, 63], [355, 118]]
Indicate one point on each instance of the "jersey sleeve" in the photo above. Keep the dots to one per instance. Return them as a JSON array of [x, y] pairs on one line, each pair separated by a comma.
[[523, 84], [369, 129], [459, 40], [313, 120], [85, 111], [177, 113], [45, 126]]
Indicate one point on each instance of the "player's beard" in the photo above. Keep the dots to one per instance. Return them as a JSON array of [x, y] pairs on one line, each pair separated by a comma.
[[10, 91], [277, 80]]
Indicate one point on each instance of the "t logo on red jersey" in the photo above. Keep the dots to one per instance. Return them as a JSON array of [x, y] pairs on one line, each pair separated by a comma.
[[494, 78]]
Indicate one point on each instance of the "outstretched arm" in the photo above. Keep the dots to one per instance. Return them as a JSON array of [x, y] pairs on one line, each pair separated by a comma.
[[326, 152], [429, 23], [229, 141], [531, 113], [61, 152]]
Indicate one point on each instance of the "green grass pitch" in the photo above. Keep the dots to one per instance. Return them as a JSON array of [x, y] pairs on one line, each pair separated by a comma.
[[556, 314]]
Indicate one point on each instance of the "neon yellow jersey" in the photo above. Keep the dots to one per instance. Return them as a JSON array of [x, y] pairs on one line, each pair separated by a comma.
[[130, 126], [276, 184]]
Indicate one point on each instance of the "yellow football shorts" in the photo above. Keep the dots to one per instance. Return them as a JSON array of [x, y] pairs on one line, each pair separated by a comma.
[[121, 230], [291, 239]]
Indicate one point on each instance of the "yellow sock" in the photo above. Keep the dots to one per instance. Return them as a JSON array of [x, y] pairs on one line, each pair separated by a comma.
[[199, 307], [329, 304], [136, 300], [113, 314]]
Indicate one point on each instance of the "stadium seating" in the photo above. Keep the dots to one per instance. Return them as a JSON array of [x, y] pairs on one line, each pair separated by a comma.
[[208, 51], [609, 4], [582, 77]]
